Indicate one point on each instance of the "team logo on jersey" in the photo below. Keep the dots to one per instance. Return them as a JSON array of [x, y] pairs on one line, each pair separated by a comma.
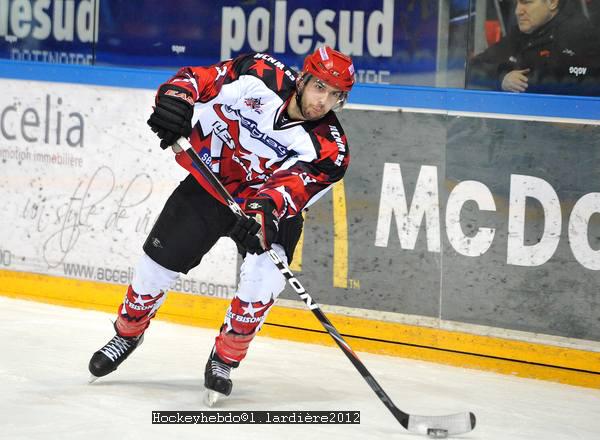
[[252, 127], [254, 104]]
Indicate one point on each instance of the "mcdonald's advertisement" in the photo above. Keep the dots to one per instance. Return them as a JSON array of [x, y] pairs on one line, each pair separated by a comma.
[[485, 221]]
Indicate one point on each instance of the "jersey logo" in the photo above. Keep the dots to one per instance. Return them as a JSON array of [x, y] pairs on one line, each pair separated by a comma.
[[254, 104], [252, 127]]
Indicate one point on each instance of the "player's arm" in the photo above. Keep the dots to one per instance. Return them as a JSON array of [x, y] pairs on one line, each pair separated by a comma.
[[301, 185], [295, 186], [175, 99]]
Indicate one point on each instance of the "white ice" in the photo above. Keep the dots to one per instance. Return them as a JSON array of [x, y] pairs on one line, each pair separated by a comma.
[[44, 394]]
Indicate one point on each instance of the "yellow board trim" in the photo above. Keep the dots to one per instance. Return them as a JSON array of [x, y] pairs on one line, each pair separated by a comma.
[[296, 265], [525, 359], [340, 236], [340, 239]]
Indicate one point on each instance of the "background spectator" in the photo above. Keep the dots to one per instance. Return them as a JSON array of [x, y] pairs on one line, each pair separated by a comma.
[[553, 49]]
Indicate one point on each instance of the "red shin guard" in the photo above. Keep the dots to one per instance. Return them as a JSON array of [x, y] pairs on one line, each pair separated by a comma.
[[231, 347], [136, 312], [242, 322]]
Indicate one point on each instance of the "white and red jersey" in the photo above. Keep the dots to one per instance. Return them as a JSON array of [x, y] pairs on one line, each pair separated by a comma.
[[241, 130]]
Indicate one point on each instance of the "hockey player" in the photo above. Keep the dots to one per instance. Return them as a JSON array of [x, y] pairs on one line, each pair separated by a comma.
[[272, 138]]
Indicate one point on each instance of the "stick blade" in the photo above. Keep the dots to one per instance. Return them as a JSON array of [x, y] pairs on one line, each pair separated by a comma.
[[453, 424]]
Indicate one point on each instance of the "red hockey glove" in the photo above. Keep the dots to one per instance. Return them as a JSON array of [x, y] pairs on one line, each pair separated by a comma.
[[256, 232], [172, 115]]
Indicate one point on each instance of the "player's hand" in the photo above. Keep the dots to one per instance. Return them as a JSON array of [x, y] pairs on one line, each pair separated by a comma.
[[172, 115], [256, 232], [515, 81]]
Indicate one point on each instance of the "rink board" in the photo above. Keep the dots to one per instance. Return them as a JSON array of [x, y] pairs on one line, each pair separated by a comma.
[[526, 359], [449, 224]]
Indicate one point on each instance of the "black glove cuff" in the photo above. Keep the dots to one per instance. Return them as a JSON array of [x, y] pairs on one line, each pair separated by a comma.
[[175, 92]]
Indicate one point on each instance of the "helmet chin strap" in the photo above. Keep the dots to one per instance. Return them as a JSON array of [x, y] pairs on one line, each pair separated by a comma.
[[299, 103]]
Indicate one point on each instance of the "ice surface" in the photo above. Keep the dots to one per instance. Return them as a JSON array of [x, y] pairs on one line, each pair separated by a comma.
[[44, 390]]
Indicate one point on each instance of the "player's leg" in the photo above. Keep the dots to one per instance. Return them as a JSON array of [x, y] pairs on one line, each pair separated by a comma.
[[134, 315], [260, 284], [189, 225]]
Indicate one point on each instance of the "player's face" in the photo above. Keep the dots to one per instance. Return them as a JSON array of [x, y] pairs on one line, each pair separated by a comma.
[[318, 98], [533, 14]]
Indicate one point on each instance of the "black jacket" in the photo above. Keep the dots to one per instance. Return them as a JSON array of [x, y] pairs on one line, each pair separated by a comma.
[[563, 55]]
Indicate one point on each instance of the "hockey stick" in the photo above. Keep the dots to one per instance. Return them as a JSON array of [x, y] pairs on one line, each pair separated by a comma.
[[433, 426]]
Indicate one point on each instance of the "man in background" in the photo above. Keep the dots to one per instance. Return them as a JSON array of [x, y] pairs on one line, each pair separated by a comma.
[[552, 50]]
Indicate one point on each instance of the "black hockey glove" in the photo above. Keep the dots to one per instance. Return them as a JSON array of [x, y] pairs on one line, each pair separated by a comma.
[[261, 220], [172, 115]]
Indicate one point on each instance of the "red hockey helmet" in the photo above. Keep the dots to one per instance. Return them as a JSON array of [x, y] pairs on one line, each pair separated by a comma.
[[332, 67]]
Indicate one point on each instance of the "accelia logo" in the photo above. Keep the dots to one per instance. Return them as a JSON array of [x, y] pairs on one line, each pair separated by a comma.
[[51, 123]]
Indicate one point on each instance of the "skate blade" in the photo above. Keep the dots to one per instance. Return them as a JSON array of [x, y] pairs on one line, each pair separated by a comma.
[[92, 378], [212, 397]]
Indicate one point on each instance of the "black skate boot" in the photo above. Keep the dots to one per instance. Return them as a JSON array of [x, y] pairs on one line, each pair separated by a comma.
[[216, 378], [108, 358]]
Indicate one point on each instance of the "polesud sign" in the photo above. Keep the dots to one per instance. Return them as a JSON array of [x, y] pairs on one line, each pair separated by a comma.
[[59, 31], [297, 31]]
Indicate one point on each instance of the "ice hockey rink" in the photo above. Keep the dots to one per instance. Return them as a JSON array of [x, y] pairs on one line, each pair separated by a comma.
[[45, 391]]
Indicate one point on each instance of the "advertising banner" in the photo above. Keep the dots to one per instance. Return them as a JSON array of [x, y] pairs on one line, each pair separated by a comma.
[[484, 221], [51, 31], [390, 40], [82, 182]]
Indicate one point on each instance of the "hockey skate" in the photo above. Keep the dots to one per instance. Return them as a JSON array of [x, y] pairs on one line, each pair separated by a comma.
[[108, 358], [216, 379]]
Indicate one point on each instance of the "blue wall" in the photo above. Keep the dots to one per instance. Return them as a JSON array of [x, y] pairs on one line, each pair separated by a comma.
[[454, 100]]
